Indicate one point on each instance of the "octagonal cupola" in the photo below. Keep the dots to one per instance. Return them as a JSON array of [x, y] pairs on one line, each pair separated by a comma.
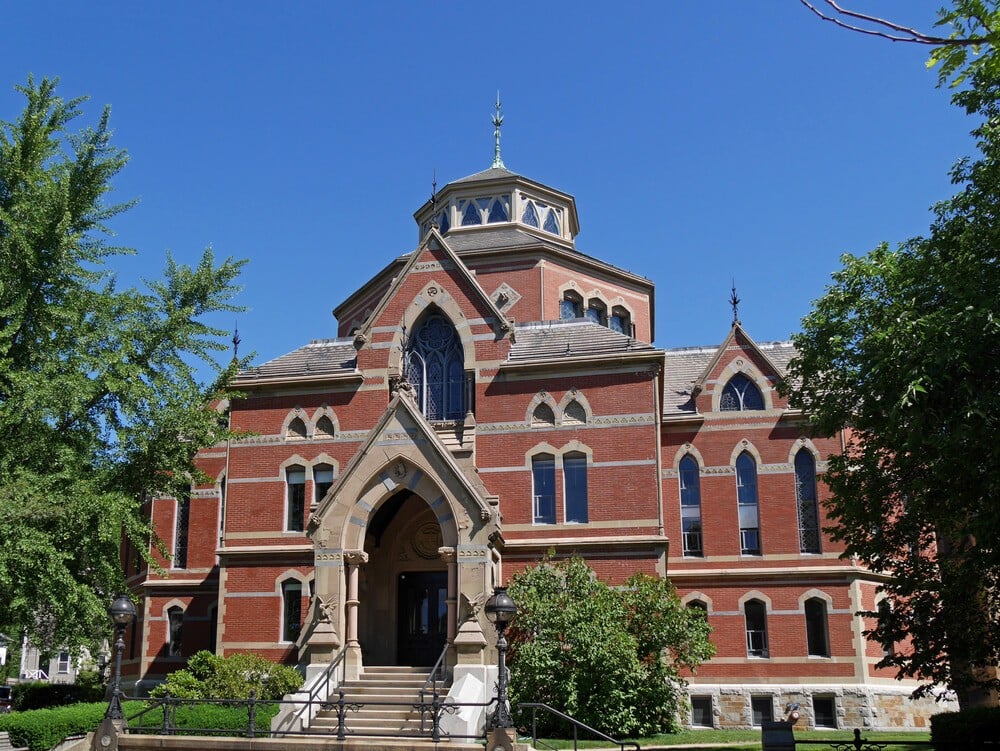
[[496, 199]]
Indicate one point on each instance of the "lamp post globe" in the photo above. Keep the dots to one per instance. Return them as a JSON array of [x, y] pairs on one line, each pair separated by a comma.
[[501, 609], [122, 613]]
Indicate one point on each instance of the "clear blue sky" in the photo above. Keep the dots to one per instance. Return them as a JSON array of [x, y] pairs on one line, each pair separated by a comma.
[[703, 141]]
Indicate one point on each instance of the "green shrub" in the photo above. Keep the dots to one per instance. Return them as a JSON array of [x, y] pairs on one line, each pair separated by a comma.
[[42, 729], [970, 728], [608, 657], [228, 717], [208, 676], [40, 695]]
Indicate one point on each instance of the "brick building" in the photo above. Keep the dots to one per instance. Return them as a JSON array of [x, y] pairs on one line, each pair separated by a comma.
[[491, 396]]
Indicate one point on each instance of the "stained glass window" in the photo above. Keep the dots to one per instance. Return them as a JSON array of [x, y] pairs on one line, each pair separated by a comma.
[[529, 215], [182, 524], [741, 394], [597, 313], [435, 366], [805, 500], [471, 215], [498, 211], [570, 307], [552, 222], [444, 224]]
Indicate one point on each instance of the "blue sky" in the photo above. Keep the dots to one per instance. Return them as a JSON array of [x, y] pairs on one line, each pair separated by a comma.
[[704, 142]]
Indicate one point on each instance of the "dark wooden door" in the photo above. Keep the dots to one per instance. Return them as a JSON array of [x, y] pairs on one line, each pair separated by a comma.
[[422, 616]]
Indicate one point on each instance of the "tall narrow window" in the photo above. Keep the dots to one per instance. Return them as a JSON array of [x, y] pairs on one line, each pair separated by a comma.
[[543, 476], [817, 636], [529, 215], [740, 394], [295, 505], [62, 663], [690, 506], [746, 497], [291, 609], [755, 614], [471, 214], [182, 523], [575, 487], [175, 630], [620, 321], [597, 312], [805, 500], [322, 481], [435, 366]]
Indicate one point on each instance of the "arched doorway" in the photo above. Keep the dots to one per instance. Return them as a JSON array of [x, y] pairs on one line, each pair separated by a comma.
[[403, 616]]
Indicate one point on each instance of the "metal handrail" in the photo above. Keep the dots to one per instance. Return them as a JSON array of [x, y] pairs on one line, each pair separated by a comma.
[[577, 726], [432, 681], [338, 661]]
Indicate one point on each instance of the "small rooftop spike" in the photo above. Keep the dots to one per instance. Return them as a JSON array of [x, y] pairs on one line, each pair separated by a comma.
[[735, 302], [497, 122], [236, 342], [434, 197]]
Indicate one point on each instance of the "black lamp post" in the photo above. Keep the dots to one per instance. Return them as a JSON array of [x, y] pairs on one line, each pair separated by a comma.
[[122, 612], [501, 609]]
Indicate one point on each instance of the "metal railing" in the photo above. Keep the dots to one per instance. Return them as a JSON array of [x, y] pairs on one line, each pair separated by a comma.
[[576, 725], [862, 744], [342, 710], [438, 674]]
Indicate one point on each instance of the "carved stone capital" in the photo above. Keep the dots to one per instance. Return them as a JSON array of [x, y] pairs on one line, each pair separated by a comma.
[[448, 555], [355, 557]]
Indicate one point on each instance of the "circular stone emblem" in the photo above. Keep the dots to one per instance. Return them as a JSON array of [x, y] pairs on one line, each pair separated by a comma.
[[427, 540]]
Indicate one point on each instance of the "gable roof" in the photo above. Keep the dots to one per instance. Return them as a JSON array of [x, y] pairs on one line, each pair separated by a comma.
[[433, 241], [736, 330], [685, 369], [402, 404]]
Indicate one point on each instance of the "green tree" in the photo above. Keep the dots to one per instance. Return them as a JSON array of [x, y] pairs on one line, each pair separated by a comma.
[[99, 400], [904, 350], [611, 658]]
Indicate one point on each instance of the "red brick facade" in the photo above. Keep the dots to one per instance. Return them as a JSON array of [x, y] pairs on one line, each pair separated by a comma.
[[570, 438]]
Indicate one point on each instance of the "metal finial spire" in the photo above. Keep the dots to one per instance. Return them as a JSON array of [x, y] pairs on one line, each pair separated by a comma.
[[497, 122], [434, 197], [236, 342], [735, 302]]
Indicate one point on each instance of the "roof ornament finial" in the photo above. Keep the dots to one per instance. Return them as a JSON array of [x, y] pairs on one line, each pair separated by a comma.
[[434, 198], [236, 342], [735, 302], [497, 122]]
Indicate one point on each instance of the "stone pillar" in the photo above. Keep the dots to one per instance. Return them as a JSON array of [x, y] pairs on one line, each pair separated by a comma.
[[353, 559], [449, 556]]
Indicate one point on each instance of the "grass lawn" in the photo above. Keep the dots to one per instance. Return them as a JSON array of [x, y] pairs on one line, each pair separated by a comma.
[[746, 740]]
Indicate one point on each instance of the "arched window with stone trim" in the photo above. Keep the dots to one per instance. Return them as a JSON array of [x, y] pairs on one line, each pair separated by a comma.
[[324, 428], [741, 394], [806, 502], [690, 487], [543, 416], [543, 489], [296, 430], [817, 631], [574, 413], [291, 609], [755, 616], [322, 481], [571, 306], [575, 487], [746, 498], [435, 366], [175, 630], [295, 498]]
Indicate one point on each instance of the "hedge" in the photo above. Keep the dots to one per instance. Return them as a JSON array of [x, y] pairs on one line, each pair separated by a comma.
[[40, 695], [968, 729], [42, 729]]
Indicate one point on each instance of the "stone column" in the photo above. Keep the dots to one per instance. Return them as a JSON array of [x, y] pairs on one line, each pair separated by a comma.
[[449, 556], [353, 559]]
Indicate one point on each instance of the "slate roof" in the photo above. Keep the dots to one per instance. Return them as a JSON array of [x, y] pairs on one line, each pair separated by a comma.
[[683, 366], [500, 237], [319, 357], [487, 174], [578, 337]]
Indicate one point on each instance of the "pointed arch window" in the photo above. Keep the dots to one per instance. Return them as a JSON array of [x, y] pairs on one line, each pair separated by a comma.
[[690, 482], [741, 394], [444, 223], [435, 366], [295, 498], [322, 481], [552, 222], [620, 321], [471, 215], [746, 497], [805, 500], [597, 312], [498, 211], [175, 630], [543, 416], [296, 430], [571, 306], [574, 414], [182, 525], [324, 428], [817, 634], [530, 216]]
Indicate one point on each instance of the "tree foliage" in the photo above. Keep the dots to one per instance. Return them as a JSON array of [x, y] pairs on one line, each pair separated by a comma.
[[208, 676], [611, 658], [904, 349], [99, 400]]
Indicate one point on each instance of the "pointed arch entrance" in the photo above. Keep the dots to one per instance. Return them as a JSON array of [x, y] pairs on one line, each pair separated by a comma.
[[405, 583]]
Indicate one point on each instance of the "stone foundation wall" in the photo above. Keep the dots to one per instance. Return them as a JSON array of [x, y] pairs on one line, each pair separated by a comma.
[[865, 707]]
